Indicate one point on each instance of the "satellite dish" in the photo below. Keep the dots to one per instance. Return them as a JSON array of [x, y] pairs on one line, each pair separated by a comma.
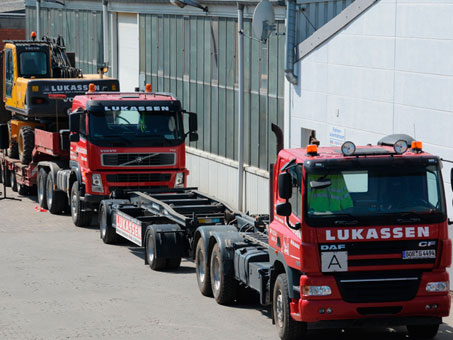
[[263, 20]]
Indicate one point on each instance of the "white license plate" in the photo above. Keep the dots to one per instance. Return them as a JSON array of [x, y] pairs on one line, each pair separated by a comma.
[[419, 254]]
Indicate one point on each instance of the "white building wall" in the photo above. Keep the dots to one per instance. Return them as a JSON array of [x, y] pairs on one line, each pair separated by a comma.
[[218, 176], [389, 71]]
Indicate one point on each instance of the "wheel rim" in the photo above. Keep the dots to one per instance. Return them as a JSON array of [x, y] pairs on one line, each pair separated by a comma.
[[49, 189], [279, 308], [74, 204], [12, 178], [200, 266], [103, 224], [150, 249], [216, 273], [40, 190], [21, 144]]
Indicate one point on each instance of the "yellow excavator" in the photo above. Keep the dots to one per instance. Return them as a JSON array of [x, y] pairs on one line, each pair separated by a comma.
[[39, 81]]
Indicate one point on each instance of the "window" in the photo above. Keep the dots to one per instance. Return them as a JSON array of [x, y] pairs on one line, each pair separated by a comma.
[[33, 64], [9, 70], [296, 198], [83, 124]]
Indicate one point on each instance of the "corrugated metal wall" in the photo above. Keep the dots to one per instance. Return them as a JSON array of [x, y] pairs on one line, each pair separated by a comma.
[[81, 30], [195, 58]]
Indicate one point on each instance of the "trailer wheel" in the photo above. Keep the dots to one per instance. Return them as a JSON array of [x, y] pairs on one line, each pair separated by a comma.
[[288, 329], [107, 232], [12, 180], [56, 200], [13, 150], [223, 286], [422, 331], [174, 263], [79, 217], [5, 176], [154, 262], [26, 143], [41, 183], [202, 267]]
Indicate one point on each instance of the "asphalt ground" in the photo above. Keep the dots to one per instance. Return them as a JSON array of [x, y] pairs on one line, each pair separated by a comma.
[[58, 281]]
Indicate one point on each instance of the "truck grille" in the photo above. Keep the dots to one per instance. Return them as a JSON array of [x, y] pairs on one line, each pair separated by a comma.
[[139, 159], [134, 178], [378, 286], [385, 253]]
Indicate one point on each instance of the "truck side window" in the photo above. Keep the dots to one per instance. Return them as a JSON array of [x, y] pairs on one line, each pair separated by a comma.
[[9, 72], [296, 198], [83, 124]]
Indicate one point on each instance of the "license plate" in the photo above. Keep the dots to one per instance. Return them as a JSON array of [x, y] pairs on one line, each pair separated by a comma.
[[419, 254]]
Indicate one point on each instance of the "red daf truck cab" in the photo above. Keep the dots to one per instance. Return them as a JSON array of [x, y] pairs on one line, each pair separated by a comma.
[[362, 234], [118, 141]]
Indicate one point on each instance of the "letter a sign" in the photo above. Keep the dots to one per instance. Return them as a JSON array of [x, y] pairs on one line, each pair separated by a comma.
[[334, 261]]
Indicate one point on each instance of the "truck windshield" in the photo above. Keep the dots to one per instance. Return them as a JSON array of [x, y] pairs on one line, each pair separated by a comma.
[[137, 128], [378, 195]]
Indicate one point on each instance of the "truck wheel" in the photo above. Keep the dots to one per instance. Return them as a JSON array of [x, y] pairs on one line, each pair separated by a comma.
[[223, 286], [56, 200], [108, 233], [154, 262], [26, 144], [41, 182], [5, 177], [12, 180], [23, 190], [202, 267], [79, 217], [288, 329], [422, 331], [13, 150], [174, 263]]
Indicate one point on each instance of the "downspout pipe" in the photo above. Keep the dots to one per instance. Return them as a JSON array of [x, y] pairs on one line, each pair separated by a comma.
[[38, 19], [290, 41], [240, 105], [105, 31]]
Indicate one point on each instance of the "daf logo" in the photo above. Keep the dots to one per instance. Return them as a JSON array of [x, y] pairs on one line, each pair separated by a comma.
[[333, 246], [426, 243]]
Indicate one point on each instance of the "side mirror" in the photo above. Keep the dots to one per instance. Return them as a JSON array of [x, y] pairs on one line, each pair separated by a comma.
[[74, 122], [283, 209], [4, 137], [193, 137], [285, 188], [193, 122], [75, 137]]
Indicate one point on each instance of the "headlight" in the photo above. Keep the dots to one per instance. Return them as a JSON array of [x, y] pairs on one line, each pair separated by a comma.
[[316, 290], [96, 183], [179, 181], [441, 286]]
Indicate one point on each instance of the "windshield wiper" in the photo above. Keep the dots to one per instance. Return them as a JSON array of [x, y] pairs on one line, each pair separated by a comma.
[[408, 217]]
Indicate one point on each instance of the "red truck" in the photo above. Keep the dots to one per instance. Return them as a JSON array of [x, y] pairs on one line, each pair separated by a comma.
[[115, 141], [356, 237]]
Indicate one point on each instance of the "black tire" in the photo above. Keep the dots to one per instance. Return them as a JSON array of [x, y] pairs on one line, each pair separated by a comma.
[[79, 217], [41, 184], [202, 268], [107, 232], [26, 143], [13, 150], [223, 286], [174, 263], [154, 262], [288, 329], [12, 180], [422, 331], [23, 190], [56, 200], [5, 177]]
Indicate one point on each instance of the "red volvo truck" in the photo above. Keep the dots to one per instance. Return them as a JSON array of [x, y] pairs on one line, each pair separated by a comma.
[[115, 141], [356, 237]]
